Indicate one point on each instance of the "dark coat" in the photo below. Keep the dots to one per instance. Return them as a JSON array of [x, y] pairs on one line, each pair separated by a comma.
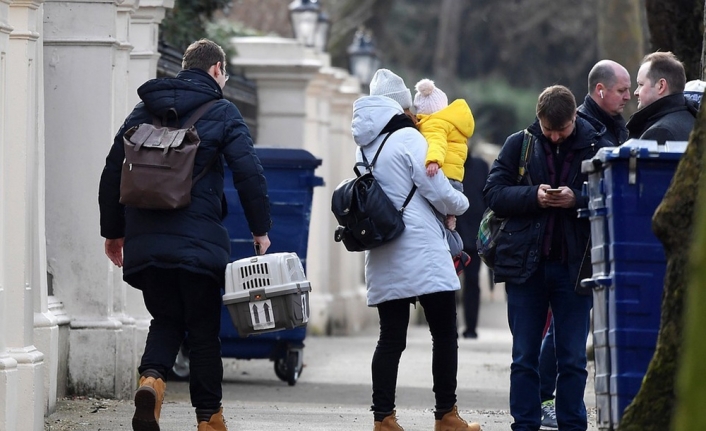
[[519, 251], [475, 174], [191, 238], [616, 131], [670, 118]]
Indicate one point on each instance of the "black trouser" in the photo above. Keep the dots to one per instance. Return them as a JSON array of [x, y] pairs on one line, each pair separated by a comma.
[[184, 304], [440, 312], [471, 293]]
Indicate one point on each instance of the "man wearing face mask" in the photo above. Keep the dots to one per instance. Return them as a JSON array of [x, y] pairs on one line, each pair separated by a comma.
[[664, 114], [540, 257]]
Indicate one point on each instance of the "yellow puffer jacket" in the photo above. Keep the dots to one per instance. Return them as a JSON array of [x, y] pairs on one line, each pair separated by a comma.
[[447, 132]]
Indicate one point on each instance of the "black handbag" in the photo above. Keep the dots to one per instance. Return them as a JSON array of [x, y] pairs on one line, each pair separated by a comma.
[[366, 216]]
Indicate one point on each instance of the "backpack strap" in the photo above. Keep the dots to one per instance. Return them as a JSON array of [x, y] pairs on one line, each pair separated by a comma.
[[525, 153], [190, 122], [199, 112], [369, 167]]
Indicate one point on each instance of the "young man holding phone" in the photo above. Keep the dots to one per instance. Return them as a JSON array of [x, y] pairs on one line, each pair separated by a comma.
[[540, 261]]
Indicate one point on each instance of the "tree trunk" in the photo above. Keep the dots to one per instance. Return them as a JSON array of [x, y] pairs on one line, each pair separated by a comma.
[[620, 25], [672, 223], [703, 48], [678, 26], [690, 413], [447, 44]]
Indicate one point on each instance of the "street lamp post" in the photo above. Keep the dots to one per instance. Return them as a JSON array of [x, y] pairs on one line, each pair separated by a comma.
[[362, 57], [323, 27], [304, 15]]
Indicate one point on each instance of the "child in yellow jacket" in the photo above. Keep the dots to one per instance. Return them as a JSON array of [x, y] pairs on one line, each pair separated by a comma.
[[446, 129]]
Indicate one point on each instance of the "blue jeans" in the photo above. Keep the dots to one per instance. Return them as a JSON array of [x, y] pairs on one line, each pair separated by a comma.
[[547, 366], [527, 307]]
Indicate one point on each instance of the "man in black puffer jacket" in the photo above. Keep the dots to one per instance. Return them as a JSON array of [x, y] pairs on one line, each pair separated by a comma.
[[178, 257], [540, 251], [664, 114]]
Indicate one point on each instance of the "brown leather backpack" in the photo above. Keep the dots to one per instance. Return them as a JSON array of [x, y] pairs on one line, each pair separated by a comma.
[[159, 163]]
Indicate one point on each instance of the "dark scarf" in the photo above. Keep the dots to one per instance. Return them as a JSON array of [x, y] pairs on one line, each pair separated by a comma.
[[399, 121]]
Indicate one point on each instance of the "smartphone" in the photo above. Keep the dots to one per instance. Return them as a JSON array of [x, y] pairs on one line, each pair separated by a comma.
[[552, 191]]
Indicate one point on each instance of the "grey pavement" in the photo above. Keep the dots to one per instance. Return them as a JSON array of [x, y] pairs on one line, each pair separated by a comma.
[[333, 391]]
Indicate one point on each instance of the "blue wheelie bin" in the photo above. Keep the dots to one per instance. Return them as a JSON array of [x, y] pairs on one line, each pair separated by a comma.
[[625, 186], [290, 182]]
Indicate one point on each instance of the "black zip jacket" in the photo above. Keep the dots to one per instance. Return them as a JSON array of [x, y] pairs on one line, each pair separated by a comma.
[[519, 249]]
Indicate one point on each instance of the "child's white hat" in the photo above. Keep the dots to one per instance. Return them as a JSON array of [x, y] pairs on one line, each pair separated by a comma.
[[429, 98]]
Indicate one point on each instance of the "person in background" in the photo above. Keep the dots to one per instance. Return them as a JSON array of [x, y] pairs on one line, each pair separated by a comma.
[[694, 90], [663, 113], [426, 274], [540, 261], [447, 128], [476, 172], [608, 93], [177, 258]]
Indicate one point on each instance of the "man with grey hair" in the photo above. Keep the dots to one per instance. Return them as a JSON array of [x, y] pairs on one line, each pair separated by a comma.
[[664, 114]]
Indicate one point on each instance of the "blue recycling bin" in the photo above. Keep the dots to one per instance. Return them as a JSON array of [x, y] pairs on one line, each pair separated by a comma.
[[290, 182], [625, 186]]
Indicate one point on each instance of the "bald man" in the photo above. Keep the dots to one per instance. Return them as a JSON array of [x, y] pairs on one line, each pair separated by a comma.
[[608, 93]]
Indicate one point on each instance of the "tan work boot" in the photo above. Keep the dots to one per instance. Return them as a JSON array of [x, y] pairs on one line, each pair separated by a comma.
[[453, 422], [148, 404], [388, 424], [216, 423]]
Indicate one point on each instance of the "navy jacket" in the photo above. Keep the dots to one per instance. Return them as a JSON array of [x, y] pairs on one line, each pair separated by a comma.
[[519, 250], [192, 238], [670, 118], [616, 131]]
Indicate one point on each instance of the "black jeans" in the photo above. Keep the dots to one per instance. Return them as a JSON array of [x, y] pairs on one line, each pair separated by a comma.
[[440, 312], [183, 305]]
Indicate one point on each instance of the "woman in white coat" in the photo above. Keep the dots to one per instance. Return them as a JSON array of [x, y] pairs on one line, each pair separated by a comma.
[[416, 266]]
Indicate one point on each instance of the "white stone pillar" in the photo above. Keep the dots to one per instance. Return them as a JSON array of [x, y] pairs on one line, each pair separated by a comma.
[[80, 84], [349, 312], [317, 141], [8, 365], [144, 30], [20, 191], [282, 69]]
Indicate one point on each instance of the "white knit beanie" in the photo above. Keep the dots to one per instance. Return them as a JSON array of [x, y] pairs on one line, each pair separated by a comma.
[[386, 83], [429, 99], [694, 90]]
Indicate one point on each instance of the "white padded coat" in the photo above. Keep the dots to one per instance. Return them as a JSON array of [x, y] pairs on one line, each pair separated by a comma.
[[418, 261]]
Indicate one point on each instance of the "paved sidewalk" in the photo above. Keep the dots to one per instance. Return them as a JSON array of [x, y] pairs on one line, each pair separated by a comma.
[[333, 392]]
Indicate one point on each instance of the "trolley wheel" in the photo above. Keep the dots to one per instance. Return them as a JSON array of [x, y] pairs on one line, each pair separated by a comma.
[[289, 368], [180, 370]]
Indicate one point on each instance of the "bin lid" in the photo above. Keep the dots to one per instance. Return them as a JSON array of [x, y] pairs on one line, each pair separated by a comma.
[[642, 148], [637, 148], [286, 158]]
